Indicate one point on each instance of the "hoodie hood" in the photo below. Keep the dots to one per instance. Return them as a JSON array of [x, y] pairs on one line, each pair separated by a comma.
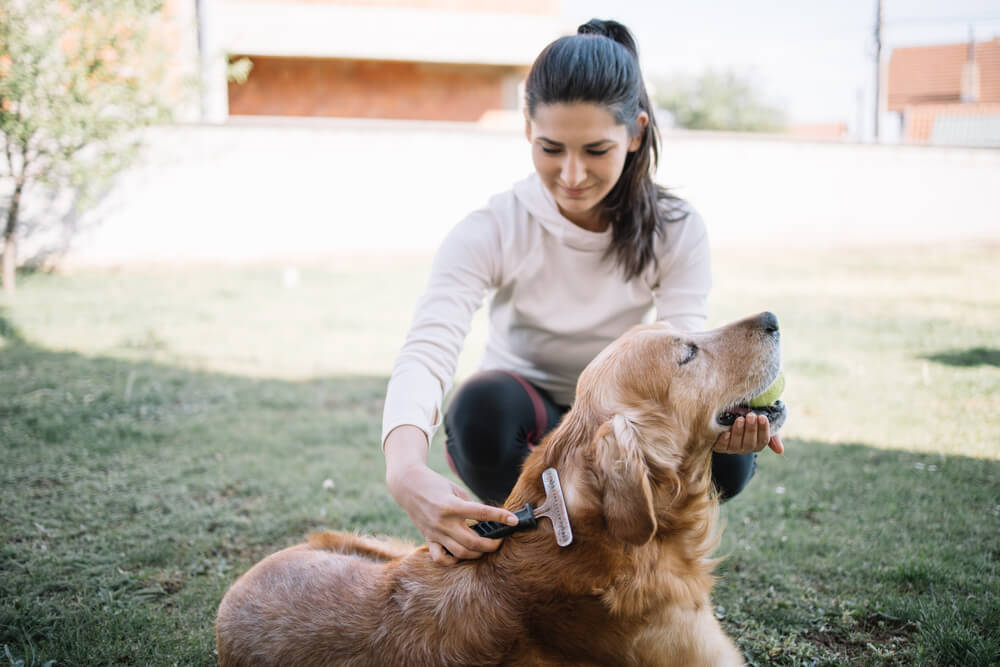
[[535, 197]]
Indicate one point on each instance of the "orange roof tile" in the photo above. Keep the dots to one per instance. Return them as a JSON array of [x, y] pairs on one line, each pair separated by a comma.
[[933, 74], [817, 130]]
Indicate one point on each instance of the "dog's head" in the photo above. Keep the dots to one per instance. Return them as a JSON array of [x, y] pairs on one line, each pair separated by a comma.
[[649, 408]]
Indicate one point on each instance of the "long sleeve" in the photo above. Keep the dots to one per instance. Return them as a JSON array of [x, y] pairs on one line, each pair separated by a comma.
[[684, 278], [465, 267]]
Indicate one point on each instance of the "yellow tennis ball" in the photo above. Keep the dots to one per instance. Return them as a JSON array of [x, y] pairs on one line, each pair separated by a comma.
[[771, 394]]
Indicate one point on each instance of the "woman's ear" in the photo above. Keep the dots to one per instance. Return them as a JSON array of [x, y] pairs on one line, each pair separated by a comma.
[[527, 125], [641, 121], [627, 498]]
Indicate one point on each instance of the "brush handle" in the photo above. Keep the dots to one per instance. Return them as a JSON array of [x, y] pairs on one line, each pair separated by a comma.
[[495, 530]]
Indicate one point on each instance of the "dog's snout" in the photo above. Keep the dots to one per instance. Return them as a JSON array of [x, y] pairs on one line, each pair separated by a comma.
[[769, 322]]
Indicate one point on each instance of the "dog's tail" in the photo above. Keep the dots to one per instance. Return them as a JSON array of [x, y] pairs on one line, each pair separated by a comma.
[[382, 550]]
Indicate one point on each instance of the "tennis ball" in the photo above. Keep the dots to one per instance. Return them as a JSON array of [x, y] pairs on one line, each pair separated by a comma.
[[771, 394]]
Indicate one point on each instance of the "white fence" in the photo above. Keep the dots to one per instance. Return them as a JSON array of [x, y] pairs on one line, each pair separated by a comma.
[[280, 190]]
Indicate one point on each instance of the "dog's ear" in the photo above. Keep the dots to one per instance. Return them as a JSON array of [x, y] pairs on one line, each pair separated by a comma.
[[627, 498]]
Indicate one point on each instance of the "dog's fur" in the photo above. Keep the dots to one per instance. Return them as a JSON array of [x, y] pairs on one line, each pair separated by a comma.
[[633, 456]]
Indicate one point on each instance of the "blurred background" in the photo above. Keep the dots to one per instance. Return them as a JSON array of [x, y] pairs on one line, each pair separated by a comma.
[[294, 129]]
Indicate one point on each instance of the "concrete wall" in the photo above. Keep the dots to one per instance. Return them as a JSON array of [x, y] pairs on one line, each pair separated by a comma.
[[282, 189]]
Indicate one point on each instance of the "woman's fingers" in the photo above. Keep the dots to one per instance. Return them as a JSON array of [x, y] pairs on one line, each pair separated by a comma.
[[468, 538], [480, 512], [763, 434], [458, 550], [452, 531], [722, 442], [736, 440], [439, 555], [751, 433]]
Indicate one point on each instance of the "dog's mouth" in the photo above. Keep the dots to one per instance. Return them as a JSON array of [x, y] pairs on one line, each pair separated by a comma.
[[775, 413]]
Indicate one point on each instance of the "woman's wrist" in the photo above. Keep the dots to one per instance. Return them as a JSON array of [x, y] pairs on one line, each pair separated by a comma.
[[405, 446]]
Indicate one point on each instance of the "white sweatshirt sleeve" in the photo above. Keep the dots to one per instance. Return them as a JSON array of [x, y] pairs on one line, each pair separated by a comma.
[[465, 267], [685, 275]]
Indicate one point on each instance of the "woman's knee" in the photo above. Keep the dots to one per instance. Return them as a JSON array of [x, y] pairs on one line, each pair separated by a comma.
[[485, 418]]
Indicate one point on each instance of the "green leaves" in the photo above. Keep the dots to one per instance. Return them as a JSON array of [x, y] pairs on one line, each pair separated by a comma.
[[77, 78], [718, 100]]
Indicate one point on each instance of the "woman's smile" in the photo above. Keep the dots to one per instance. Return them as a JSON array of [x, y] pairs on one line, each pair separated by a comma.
[[575, 192]]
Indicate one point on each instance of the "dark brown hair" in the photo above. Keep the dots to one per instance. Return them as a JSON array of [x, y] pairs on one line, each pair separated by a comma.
[[600, 65]]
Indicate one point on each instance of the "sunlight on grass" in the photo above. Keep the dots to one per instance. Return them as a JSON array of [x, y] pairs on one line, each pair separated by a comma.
[[864, 331]]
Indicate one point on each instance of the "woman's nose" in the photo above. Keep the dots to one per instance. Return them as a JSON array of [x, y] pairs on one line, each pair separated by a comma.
[[573, 171]]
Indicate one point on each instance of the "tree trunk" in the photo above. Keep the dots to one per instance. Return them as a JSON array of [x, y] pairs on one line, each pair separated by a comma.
[[10, 240], [9, 265]]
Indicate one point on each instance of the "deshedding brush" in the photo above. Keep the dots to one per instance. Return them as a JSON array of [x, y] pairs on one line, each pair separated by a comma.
[[554, 507]]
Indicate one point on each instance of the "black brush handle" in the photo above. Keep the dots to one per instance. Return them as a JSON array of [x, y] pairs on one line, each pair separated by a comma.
[[495, 530]]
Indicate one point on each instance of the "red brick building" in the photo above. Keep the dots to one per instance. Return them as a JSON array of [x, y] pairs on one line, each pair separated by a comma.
[[947, 94], [455, 60]]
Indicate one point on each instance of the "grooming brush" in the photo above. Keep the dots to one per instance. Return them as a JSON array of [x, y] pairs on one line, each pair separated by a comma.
[[554, 508]]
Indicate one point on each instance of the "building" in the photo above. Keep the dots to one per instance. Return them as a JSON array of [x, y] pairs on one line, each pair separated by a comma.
[[947, 94], [454, 60]]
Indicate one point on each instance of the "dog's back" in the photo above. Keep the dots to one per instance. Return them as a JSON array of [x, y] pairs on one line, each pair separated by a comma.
[[341, 599], [352, 544], [279, 612]]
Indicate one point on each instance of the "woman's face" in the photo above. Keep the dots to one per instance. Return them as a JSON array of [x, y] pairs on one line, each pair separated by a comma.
[[579, 150]]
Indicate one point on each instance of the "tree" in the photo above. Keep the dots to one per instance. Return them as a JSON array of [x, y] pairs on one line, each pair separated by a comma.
[[718, 101], [77, 78]]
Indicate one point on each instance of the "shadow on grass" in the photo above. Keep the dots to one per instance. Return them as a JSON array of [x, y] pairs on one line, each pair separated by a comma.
[[851, 554], [974, 356], [133, 493], [8, 330]]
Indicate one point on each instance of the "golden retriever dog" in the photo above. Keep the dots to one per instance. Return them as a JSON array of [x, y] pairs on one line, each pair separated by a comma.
[[633, 455]]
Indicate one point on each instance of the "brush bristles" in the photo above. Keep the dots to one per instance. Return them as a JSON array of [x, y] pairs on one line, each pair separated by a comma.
[[555, 507]]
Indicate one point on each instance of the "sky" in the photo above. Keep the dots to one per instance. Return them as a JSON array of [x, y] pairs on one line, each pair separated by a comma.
[[813, 58]]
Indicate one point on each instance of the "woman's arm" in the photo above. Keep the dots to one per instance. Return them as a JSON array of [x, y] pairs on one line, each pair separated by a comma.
[[465, 267]]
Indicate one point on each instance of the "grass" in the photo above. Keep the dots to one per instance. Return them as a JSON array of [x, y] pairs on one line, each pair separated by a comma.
[[161, 430]]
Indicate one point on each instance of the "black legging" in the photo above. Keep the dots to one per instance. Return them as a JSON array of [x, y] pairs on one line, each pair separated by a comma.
[[497, 417]]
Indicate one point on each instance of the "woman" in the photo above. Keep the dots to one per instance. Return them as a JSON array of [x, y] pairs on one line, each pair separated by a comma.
[[574, 256]]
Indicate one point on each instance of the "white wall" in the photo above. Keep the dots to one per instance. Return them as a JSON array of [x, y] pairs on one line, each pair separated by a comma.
[[278, 190]]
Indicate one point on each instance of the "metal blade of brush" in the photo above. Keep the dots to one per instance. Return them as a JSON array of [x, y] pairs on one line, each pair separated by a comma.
[[554, 508]]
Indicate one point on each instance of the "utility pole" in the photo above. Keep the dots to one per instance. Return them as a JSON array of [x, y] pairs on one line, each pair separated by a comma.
[[970, 72], [878, 66]]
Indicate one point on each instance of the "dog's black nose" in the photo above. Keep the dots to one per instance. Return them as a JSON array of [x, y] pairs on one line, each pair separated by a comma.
[[769, 322]]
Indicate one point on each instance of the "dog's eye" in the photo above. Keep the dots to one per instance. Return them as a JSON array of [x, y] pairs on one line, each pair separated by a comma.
[[690, 352]]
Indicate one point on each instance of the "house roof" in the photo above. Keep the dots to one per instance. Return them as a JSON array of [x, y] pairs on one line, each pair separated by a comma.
[[933, 74]]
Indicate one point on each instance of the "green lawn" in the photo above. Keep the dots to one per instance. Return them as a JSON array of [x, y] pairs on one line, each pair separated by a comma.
[[162, 429]]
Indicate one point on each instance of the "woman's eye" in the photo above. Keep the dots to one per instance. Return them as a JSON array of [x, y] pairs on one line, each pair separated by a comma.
[[602, 152], [551, 151], [691, 352]]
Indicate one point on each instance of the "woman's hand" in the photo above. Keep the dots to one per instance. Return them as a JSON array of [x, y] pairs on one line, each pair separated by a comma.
[[749, 434], [437, 507]]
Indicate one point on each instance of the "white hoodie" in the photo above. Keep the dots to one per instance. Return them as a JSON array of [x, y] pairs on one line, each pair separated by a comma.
[[556, 303]]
